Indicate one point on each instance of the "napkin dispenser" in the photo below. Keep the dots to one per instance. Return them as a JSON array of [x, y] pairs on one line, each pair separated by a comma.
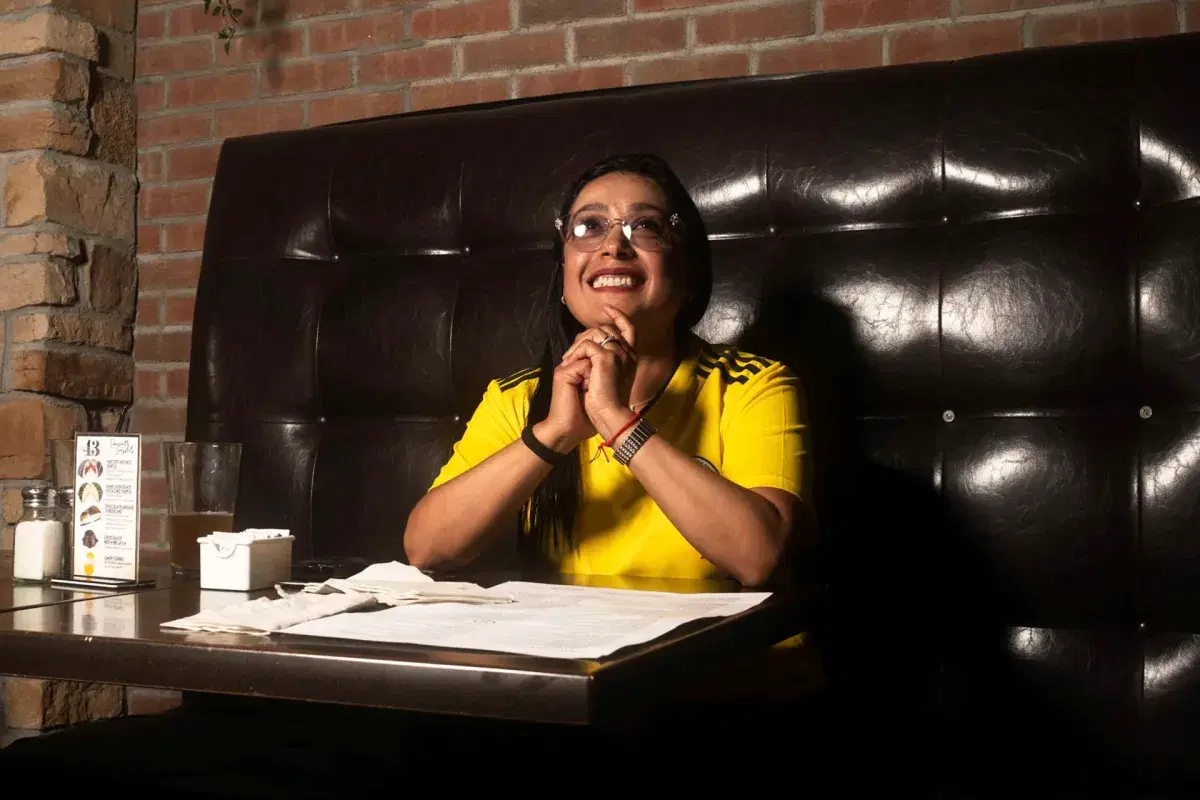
[[247, 561]]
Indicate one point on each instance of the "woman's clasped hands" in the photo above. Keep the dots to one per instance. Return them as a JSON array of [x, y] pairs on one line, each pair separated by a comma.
[[592, 385]]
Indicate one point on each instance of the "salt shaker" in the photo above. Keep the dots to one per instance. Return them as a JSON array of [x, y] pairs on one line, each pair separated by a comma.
[[38, 542]]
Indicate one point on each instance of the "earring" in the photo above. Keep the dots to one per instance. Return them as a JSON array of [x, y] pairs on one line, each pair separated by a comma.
[[563, 299]]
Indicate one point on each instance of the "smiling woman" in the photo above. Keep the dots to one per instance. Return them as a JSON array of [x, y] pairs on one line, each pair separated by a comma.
[[633, 448]]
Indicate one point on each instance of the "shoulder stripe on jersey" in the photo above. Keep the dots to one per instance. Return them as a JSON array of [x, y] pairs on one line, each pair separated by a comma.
[[731, 363], [518, 378]]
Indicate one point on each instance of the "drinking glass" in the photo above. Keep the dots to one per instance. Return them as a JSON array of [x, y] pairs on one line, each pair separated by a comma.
[[202, 480]]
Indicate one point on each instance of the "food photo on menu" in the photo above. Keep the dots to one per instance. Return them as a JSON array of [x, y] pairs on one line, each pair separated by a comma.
[[90, 515], [90, 493], [90, 468]]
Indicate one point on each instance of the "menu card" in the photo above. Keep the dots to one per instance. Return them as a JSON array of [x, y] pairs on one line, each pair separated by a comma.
[[108, 499]]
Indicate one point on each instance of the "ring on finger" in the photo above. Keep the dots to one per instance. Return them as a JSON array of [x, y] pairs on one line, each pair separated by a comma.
[[606, 340]]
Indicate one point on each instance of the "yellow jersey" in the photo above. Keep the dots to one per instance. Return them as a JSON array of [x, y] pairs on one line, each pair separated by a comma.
[[736, 413]]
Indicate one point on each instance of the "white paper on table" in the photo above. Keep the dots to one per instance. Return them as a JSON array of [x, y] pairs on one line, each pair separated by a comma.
[[394, 583], [546, 620]]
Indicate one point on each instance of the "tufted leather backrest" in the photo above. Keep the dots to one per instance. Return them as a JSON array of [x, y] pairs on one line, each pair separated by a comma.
[[989, 268]]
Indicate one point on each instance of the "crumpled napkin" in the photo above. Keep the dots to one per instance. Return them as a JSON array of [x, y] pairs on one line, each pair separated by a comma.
[[265, 615], [397, 584], [392, 584]]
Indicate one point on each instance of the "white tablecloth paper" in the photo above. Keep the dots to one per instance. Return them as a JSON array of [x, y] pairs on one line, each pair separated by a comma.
[[545, 620]]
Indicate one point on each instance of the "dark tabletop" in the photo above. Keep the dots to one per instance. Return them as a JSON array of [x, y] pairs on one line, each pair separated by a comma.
[[15, 596], [117, 639]]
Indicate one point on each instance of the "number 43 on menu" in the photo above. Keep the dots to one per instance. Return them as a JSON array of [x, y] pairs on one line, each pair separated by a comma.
[[106, 520]]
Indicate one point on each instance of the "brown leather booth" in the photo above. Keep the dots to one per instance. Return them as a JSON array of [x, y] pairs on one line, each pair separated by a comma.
[[987, 273]]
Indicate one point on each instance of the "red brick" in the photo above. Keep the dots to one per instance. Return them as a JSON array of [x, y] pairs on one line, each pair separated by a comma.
[[151, 96], [946, 42], [173, 200], [518, 50], [326, 110], [461, 19], [755, 24], [150, 167], [203, 90], [281, 10], [148, 241], [643, 6], [170, 347], [461, 93], [406, 65], [199, 161], [355, 33], [151, 461], [154, 487], [307, 76], [192, 21], [998, 6], [576, 80], [830, 54], [268, 47], [726, 65], [1131, 22], [177, 383], [149, 311], [840, 14], [627, 38], [179, 309], [139, 700], [183, 237], [1193, 16], [145, 386], [541, 12], [157, 418], [259, 119], [151, 25], [150, 535], [159, 59], [176, 128], [172, 273]]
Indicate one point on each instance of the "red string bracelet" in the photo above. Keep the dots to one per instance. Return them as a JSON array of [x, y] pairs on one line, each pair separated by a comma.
[[603, 445]]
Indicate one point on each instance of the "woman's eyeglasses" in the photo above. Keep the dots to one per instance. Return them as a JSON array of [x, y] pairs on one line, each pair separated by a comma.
[[645, 230]]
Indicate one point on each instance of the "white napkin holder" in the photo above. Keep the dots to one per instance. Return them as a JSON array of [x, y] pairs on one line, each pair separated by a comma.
[[247, 561]]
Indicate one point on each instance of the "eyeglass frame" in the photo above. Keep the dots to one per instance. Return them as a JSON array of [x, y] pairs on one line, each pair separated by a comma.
[[674, 223]]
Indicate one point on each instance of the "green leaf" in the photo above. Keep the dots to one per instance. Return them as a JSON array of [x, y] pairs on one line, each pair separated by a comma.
[[225, 33], [237, 12], [227, 43], [216, 12], [207, 5]]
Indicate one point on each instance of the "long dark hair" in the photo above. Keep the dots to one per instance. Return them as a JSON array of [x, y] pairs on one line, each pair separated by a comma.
[[550, 515]]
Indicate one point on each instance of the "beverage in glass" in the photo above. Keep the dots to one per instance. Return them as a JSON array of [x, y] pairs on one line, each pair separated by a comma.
[[202, 480]]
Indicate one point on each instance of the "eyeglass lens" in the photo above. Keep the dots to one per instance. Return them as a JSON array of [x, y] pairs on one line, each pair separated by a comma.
[[644, 230]]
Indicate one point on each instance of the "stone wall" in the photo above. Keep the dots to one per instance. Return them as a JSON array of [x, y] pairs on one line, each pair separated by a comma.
[[68, 281]]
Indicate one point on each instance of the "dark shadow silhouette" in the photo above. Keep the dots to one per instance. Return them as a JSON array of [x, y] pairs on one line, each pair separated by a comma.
[[923, 688], [271, 18]]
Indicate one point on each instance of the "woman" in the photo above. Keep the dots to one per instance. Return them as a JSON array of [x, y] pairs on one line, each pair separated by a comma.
[[634, 448]]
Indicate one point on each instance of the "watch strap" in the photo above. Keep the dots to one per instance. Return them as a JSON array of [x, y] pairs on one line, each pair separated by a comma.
[[551, 457]]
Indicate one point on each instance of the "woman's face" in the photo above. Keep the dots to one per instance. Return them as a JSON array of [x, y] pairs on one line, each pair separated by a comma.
[[646, 284]]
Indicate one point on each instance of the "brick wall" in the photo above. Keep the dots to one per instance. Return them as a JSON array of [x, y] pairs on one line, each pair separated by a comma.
[[310, 62], [67, 271]]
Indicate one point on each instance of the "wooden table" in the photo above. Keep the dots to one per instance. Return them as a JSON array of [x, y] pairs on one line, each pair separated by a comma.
[[117, 639]]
